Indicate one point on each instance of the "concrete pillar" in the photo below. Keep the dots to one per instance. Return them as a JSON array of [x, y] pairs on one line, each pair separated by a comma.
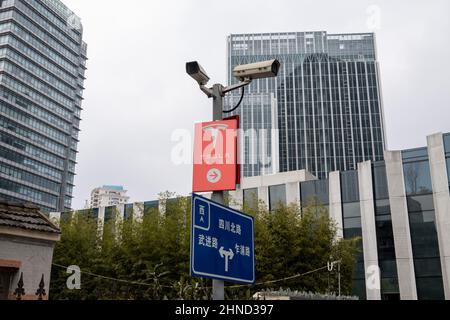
[[162, 206], [263, 195], [120, 209], [138, 211], [207, 195], [293, 193], [236, 199], [101, 221], [441, 197], [101, 216], [120, 212], [336, 202], [369, 233], [400, 225]]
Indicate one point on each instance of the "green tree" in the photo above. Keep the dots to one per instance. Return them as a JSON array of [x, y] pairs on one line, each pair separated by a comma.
[[150, 256]]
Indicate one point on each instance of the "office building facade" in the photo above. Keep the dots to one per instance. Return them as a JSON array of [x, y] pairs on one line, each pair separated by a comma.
[[399, 207], [326, 106], [42, 68]]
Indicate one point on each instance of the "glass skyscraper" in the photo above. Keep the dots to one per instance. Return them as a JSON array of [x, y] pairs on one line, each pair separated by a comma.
[[327, 109], [42, 67]]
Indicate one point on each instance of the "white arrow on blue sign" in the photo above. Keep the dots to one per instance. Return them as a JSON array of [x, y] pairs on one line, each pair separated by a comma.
[[222, 242]]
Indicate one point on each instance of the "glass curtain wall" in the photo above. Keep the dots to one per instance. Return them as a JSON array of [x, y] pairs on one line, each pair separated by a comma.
[[385, 236], [422, 221], [251, 198], [277, 197], [352, 226], [328, 103]]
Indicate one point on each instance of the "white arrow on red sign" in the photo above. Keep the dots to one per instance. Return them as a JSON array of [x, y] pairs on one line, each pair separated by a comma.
[[214, 175]]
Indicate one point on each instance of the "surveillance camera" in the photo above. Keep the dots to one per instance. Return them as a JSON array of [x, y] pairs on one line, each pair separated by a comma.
[[259, 70], [195, 70]]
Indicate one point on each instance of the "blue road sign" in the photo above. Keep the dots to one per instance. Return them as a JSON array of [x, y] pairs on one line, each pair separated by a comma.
[[222, 242]]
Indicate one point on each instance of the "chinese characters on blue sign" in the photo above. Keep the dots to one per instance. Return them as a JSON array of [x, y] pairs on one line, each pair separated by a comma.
[[222, 242]]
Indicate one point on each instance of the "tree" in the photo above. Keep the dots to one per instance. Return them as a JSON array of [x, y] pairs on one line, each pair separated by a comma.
[[149, 259]]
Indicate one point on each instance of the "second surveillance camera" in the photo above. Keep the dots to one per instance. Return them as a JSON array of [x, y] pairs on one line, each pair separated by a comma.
[[259, 70], [195, 70]]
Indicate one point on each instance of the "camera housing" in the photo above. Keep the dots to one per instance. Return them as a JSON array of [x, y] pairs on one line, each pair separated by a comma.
[[258, 70], [195, 70]]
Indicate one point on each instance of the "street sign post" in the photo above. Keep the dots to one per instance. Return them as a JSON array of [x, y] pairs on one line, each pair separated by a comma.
[[222, 242], [245, 74]]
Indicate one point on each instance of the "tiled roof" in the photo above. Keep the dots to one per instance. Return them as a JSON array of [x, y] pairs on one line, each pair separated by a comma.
[[25, 216]]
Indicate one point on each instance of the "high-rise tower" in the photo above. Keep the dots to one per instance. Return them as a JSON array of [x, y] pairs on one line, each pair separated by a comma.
[[42, 67], [326, 102]]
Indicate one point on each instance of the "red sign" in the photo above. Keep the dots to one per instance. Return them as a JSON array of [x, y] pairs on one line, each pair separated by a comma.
[[215, 156]]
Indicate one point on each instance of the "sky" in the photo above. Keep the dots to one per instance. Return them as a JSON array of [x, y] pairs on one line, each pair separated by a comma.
[[137, 92]]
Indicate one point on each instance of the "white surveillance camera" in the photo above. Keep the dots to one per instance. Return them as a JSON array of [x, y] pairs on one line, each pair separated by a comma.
[[259, 70], [195, 70]]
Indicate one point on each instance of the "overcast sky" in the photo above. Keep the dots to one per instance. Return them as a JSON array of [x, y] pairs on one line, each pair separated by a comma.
[[137, 92]]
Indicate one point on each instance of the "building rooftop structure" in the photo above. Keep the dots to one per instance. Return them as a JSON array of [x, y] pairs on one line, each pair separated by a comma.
[[25, 216], [27, 240]]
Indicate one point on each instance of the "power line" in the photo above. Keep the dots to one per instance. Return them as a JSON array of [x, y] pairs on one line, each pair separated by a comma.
[[281, 280], [163, 286], [112, 279]]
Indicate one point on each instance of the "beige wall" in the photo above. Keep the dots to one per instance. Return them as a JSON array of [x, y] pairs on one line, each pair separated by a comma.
[[35, 257]]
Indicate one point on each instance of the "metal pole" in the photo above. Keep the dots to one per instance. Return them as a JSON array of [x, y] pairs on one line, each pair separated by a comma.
[[217, 102], [218, 196]]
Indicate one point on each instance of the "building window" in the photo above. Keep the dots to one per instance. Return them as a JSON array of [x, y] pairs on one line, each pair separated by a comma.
[[430, 288], [109, 214], [380, 182], [415, 153], [128, 212], [427, 263], [277, 197], [350, 186], [448, 170], [382, 207], [88, 213], [422, 222], [417, 178], [353, 229], [315, 192], [420, 203], [385, 235], [150, 206], [447, 143], [251, 198], [424, 239], [94, 213], [351, 210]]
